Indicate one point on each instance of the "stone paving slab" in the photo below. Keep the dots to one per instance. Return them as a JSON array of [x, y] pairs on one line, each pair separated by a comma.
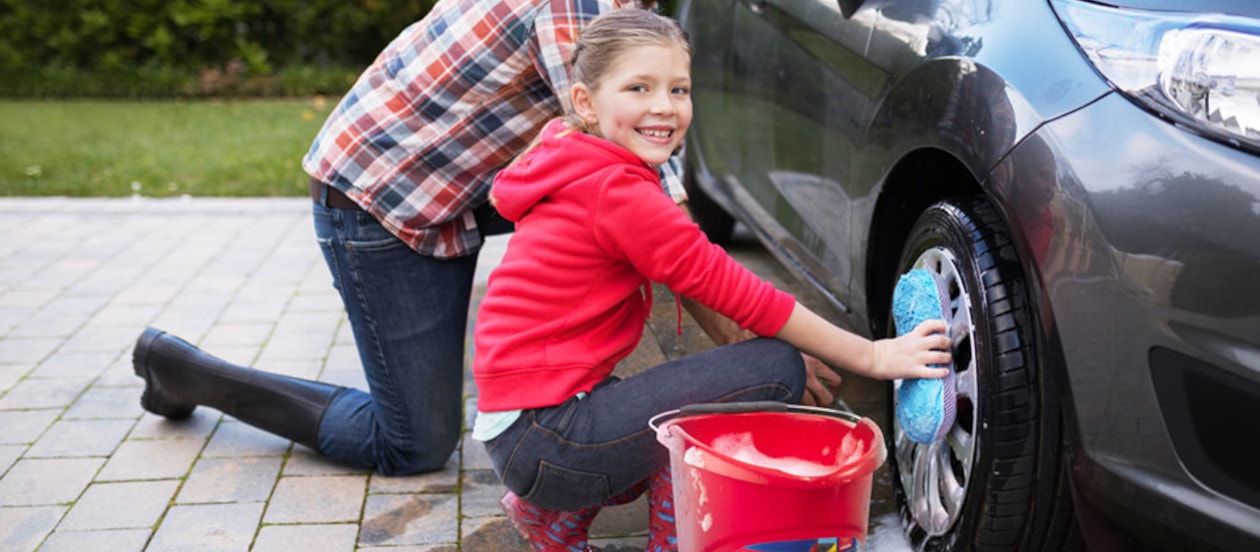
[[83, 467]]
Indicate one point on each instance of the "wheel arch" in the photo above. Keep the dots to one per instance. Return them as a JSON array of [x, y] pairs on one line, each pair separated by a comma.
[[942, 126], [919, 179]]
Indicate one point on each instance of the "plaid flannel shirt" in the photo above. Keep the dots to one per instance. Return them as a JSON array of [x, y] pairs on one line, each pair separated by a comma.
[[419, 137]]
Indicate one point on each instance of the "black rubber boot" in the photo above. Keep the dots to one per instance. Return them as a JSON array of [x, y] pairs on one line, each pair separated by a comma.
[[178, 377]]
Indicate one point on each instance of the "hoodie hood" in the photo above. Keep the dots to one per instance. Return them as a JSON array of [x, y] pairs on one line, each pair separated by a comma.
[[563, 156]]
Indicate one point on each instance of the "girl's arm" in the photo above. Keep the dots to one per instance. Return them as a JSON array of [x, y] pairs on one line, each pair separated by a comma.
[[906, 356]]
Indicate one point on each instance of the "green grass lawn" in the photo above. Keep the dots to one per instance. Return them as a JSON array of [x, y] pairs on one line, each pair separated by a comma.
[[156, 149]]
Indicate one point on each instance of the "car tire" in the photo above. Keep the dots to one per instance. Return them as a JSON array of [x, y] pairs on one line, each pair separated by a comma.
[[716, 223], [997, 481]]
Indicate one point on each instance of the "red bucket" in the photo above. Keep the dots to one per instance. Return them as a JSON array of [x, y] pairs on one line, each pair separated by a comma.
[[765, 472]]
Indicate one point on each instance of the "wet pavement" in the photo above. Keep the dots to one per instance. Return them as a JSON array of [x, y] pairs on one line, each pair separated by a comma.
[[83, 467]]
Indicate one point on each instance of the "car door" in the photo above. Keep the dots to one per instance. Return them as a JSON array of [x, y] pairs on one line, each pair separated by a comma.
[[798, 91]]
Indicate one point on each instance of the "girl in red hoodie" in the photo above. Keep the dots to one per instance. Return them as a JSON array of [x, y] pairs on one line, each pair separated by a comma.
[[569, 300]]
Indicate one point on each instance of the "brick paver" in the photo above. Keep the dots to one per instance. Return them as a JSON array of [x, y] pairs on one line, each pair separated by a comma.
[[83, 467]]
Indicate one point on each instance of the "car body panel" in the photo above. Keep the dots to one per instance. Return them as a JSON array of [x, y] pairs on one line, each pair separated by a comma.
[[819, 124], [1146, 253]]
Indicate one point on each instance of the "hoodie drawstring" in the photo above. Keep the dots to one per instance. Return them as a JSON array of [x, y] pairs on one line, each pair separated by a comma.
[[678, 304]]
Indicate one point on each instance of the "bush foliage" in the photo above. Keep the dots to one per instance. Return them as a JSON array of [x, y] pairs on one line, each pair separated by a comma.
[[192, 48]]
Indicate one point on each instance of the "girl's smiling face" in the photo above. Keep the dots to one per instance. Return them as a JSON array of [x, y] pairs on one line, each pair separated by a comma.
[[642, 102]]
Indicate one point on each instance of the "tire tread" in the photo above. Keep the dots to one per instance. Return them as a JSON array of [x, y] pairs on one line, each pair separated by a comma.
[[1015, 494]]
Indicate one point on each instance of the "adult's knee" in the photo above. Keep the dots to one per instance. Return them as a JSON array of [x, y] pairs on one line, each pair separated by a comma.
[[399, 462], [419, 454]]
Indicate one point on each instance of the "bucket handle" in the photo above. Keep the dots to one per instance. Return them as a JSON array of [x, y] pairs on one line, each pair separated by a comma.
[[748, 406]]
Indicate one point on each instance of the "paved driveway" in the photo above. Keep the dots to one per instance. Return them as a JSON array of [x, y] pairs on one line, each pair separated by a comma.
[[83, 467]]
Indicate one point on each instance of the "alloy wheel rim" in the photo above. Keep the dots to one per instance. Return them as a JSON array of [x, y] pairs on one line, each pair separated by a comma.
[[934, 476]]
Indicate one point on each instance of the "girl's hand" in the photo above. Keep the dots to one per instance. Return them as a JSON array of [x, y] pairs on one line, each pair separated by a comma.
[[909, 355]]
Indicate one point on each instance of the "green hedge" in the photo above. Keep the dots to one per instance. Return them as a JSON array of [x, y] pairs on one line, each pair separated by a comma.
[[183, 48], [174, 83], [194, 48]]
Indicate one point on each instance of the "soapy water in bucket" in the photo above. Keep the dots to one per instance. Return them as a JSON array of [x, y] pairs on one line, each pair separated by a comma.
[[740, 446]]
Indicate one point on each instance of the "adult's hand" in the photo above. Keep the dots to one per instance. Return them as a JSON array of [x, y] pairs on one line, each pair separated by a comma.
[[821, 383]]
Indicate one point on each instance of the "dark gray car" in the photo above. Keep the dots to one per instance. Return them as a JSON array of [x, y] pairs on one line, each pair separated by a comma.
[[1085, 175]]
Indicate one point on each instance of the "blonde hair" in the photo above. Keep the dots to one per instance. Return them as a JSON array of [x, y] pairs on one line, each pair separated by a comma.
[[601, 41], [609, 35]]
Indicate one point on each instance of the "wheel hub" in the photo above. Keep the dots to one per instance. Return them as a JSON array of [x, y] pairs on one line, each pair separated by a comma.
[[934, 476]]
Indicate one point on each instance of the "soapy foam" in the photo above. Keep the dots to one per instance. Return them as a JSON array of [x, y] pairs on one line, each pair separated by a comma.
[[740, 447]]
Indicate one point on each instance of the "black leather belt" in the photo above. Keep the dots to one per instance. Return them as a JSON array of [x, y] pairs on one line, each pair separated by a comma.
[[333, 198]]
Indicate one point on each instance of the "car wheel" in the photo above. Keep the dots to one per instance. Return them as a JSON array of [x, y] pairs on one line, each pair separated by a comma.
[[995, 482], [716, 223]]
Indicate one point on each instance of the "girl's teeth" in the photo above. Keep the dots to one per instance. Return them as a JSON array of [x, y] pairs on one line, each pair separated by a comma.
[[656, 133]]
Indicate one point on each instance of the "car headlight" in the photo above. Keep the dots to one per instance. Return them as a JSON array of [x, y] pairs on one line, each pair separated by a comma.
[[1199, 70]]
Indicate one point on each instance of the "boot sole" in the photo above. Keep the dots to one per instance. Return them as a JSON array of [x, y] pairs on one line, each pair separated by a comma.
[[140, 362]]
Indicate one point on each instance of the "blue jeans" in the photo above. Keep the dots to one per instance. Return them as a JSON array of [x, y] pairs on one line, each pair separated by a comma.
[[582, 451], [408, 313]]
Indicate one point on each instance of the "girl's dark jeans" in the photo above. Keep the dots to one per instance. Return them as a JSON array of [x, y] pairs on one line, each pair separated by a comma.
[[582, 451]]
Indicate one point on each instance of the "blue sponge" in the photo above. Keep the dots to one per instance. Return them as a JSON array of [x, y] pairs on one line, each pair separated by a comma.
[[925, 407]]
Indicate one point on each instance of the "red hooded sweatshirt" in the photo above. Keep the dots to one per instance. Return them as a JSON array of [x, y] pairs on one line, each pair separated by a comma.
[[571, 296]]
